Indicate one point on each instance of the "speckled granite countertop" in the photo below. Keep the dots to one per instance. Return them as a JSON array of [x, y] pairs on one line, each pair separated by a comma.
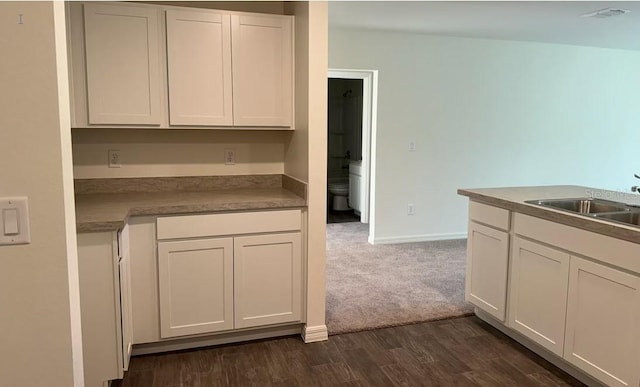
[[513, 199], [97, 212]]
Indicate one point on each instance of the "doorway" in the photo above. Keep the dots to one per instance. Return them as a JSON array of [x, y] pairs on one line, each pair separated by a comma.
[[351, 139]]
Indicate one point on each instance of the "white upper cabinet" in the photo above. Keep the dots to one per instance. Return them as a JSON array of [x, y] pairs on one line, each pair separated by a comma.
[[122, 64], [262, 70], [148, 65], [199, 68]]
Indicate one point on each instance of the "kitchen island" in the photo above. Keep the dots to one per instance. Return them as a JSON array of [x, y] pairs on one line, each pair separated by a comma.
[[565, 284]]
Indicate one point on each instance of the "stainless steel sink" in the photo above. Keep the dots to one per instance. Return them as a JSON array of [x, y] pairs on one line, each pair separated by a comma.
[[631, 218], [582, 205]]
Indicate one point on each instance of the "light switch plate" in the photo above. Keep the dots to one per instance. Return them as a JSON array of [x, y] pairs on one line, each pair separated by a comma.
[[12, 210]]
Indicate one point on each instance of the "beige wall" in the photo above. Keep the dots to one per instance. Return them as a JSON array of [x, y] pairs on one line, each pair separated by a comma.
[[40, 321], [147, 153], [297, 150], [306, 156]]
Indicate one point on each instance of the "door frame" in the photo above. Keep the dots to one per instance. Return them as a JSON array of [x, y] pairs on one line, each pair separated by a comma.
[[369, 120]]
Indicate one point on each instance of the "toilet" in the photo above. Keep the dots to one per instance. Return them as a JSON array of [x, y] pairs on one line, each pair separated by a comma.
[[339, 188]]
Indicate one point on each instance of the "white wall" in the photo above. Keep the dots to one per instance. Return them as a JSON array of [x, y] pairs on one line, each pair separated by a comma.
[[488, 113], [306, 153], [40, 339], [146, 153]]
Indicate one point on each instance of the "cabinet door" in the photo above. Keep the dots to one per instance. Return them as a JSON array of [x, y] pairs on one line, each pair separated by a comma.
[[123, 64], [267, 279], [196, 290], [538, 293], [125, 297], [199, 68], [355, 190], [100, 307], [486, 277], [603, 316], [262, 70]]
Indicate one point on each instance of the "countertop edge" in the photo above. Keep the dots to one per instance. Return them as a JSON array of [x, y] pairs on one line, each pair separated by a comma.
[[574, 220], [188, 209]]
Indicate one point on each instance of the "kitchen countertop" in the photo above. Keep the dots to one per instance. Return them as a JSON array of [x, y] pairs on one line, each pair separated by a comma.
[[106, 204], [513, 199]]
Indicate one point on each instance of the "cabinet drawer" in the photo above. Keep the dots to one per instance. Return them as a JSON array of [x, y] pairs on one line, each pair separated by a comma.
[[489, 215], [193, 226], [607, 249]]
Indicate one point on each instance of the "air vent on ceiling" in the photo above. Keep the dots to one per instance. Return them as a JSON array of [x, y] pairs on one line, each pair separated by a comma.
[[607, 12]]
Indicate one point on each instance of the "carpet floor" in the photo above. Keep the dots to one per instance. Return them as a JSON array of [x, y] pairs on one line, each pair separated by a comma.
[[374, 286]]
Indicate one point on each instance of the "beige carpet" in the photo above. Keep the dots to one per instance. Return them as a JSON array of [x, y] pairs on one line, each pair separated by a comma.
[[373, 286]]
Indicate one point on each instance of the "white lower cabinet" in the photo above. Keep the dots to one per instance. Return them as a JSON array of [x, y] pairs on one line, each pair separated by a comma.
[[538, 293], [103, 273], [267, 280], [196, 286], [236, 270], [572, 292], [486, 277], [603, 323]]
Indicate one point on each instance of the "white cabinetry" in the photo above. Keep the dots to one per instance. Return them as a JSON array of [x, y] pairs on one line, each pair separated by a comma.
[[573, 292], [538, 293], [211, 69], [122, 54], [199, 68], [603, 316], [262, 70], [487, 259], [105, 305], [356, 191], [237, 270], [196, 286], [267, 279]]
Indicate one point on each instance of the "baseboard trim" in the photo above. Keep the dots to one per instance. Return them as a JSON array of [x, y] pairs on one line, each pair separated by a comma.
[[223, 338], [417, 238], [315, 333]]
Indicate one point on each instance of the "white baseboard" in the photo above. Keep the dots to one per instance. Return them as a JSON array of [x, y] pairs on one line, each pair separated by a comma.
[[218, 339], [417, 238], [315, 333]]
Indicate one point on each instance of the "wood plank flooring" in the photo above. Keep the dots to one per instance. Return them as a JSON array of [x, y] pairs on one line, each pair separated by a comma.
[[457, 352]]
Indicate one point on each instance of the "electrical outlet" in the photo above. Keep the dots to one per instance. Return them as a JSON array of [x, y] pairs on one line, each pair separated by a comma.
[[412, 146], [411, 209], [114, 159], [229, 156]]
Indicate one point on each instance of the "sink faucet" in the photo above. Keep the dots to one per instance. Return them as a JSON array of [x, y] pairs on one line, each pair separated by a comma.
[[636, 188]]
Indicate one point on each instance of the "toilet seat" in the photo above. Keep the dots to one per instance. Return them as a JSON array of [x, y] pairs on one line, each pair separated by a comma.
[[341, 189]]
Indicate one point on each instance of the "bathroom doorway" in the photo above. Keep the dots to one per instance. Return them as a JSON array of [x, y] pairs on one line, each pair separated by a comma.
[[344, 153], [351, 138]]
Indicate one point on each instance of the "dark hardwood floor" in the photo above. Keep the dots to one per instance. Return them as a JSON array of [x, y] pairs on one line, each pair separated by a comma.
[[456, 352], [341, 216]]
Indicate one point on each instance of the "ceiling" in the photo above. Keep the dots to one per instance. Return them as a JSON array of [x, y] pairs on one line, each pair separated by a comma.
[[540, 21]]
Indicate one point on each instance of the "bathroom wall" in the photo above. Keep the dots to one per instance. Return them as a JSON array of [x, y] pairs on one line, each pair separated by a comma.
[[345, 125]]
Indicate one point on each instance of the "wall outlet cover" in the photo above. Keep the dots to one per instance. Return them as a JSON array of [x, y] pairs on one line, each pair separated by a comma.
[[115, 160], [229, 156]]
